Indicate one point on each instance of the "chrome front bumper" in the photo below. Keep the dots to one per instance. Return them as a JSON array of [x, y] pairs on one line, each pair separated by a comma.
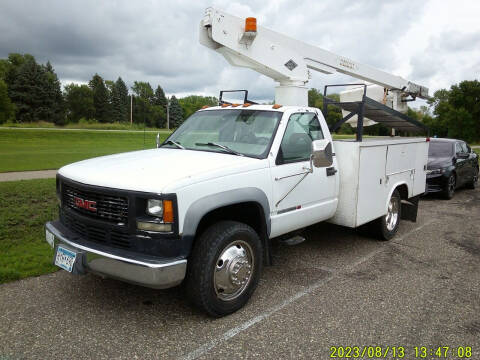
[[149, 273]]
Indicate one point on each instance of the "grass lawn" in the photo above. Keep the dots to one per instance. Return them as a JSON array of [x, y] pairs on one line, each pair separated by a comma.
[[82, 125], [22, 150], [25, 206]]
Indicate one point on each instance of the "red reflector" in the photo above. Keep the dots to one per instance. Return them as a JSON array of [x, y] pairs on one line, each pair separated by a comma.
[[428, 139], [299, 207]]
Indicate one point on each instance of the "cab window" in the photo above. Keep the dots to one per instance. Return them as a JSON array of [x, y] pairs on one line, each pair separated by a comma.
[[458, 148], [302, 129]]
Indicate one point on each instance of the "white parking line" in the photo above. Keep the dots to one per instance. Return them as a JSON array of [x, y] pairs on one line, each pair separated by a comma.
[[203, 349]]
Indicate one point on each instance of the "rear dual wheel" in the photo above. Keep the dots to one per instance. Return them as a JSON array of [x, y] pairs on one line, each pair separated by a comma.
[[386, 227]]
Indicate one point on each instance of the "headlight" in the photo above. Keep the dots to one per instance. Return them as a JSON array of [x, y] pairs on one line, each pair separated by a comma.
[[163, 211], [155, 207], [435, 171]]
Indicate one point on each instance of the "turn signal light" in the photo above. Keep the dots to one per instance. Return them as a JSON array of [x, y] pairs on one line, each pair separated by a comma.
[[251, 24], [168, 211]]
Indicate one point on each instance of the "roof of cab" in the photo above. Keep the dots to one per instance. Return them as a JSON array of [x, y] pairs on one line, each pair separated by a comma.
[[256, 107]]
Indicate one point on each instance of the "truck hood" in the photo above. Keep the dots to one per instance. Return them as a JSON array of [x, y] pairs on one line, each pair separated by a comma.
[[155, 170]]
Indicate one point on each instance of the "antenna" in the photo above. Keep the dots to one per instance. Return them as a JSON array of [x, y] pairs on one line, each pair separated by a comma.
[[144, 120]]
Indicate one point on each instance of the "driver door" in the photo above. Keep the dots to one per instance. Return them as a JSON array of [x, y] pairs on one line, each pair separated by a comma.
[[300, 197]]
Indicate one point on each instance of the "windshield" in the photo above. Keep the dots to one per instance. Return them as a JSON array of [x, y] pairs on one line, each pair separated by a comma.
[[438, 149], [238, 132]]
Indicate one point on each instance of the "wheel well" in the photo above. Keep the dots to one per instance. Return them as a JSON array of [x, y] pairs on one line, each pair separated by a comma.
[[250, 213], [403, 190]]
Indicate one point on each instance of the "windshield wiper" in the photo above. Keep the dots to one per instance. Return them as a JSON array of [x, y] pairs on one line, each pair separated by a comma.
[[173, 143], [226, 148]]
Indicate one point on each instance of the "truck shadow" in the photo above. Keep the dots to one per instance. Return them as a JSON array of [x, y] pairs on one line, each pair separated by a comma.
[[294, 267]]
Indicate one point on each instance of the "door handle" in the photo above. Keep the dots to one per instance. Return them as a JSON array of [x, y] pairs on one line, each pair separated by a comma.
[[331, 171]]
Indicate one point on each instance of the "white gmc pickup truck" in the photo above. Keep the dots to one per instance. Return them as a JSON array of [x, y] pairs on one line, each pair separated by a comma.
[[202, 208]]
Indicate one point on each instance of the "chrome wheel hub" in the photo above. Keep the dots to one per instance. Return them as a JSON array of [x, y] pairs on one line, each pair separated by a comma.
[[392, 214], [233, 270]]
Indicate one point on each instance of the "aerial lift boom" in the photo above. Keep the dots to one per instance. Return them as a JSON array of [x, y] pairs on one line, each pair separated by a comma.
[[288, 61]]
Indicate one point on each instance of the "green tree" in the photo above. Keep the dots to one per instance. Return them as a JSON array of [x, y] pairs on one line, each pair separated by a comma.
[[160, 101], [143, 111], [159, 97], [4, 67], [79, 101], [456, 111], [34, 88], [29, 91], [54, 102], [192, 103], [176, 113], [7, 108], [120, 100], [11, 67], [158, 116], [143, 90], [100, 99]]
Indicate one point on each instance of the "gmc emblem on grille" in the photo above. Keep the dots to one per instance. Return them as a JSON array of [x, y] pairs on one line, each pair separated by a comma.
[[85, 204]]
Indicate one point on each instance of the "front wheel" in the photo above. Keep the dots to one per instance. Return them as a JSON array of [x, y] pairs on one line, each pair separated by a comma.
[[386, 227], [224, 268], [449, 190]]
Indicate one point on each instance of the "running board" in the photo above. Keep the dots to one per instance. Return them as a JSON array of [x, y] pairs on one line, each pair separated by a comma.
[[293, 240]]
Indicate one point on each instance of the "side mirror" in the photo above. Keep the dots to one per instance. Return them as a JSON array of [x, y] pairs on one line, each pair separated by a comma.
[[158, 140], [322, 155]]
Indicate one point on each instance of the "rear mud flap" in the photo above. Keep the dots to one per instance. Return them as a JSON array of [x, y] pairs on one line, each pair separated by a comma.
[[410, 208]]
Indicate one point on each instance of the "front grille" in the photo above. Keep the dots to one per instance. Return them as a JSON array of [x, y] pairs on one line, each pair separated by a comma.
[[108, 207], [94, 233]]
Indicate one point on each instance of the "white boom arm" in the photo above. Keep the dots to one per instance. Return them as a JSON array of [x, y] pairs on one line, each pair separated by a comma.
[[287, 60]]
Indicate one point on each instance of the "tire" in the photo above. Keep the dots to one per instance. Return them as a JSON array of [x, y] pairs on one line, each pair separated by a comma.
[[224, 268], [473, 184], [385, 227], [450, 186]]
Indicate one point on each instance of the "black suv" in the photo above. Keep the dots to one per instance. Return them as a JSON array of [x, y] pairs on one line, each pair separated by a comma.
[[451, 164]]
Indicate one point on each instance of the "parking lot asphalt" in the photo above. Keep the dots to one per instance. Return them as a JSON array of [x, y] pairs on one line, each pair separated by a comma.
[[338, 288]]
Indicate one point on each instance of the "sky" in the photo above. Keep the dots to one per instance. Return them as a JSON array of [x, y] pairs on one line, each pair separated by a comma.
[[434, 43]]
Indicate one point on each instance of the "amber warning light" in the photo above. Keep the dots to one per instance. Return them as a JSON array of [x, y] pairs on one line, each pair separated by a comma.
[[250, 31], [250, 24]]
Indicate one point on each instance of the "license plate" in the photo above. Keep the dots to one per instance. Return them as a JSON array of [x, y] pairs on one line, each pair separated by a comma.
[[50, 238], [65, 258]]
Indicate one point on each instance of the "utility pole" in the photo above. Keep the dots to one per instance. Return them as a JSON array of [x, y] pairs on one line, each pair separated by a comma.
[[131, 109]]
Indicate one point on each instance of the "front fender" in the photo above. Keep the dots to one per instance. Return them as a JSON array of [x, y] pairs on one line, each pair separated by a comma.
[[203, 206]]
